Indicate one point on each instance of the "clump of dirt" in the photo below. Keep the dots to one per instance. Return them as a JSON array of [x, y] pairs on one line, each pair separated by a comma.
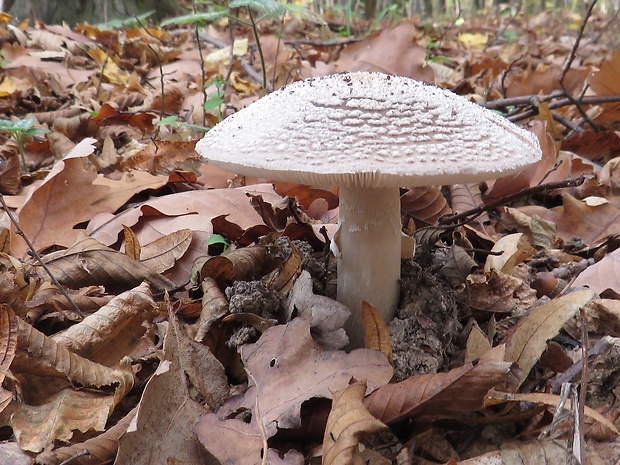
[[425, 325]]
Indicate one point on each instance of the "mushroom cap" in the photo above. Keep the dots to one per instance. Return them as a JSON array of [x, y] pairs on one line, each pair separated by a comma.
[[371, 130]]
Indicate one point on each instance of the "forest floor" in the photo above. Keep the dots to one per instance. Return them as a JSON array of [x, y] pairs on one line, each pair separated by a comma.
[[127, 336]]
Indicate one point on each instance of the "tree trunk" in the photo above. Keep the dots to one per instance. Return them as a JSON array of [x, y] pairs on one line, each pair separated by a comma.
[[370, 9], [91, 11]]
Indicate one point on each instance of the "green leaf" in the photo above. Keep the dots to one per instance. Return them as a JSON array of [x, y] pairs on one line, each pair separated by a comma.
[[35, 131], [214, 102], [269, 7], [172, 119], [216, 239], [194, 18], [127, 22]]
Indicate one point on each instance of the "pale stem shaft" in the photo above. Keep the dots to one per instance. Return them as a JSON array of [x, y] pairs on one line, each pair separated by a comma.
[[369, 242]]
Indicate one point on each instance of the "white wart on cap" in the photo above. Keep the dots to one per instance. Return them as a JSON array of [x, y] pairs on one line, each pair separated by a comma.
[[369, 134]]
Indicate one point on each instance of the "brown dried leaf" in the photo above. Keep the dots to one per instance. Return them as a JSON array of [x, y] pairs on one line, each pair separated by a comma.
[[101, 449], [375, 330], [10, 168], [425, 204], [38, 427], [214, 306], [286, 367], [66, 197], [249, 263], [348, 422], [161, 254], [132, 244], [459, 390], [603, 275], [88, 262], [41, 355], [528, 340], [283, 278], [392, 51], [8, 346], [115, 330], [170, 406]]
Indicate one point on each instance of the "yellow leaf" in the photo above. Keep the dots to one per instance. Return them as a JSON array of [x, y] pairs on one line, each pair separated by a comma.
[[473, 39]]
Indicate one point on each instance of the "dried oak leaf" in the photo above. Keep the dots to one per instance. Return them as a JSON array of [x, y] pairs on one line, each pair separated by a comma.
[[66, 197], [88, 262], [286, 367]]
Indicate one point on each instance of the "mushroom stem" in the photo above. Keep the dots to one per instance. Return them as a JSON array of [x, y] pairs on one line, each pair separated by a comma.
[[369, 246]]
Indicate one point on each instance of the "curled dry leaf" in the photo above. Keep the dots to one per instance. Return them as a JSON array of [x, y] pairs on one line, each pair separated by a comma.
[[214, 306], [459, 390], [10, 168], [375, 330], [465, 197], [528, 341], [283, 277], [8, 346], [101, 449], [348, 422], [88, 262], [41, 355], [115, 330], [132, 244], [246, 264], [425, 204]]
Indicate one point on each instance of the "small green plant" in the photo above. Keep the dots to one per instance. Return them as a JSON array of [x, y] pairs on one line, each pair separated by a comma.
[[19, 130], [173, 120], [217, 100], [219, 244]]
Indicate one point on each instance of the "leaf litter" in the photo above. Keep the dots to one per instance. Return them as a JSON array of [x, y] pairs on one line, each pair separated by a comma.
[[190, 356]]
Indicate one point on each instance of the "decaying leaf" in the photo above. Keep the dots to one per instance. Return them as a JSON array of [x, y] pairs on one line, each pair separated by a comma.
[[459, 390], [528, 341], [115, 330], [347, 423], [188, 383], [8, 346], [278, 364], [375, 330], [89, 262], [101, 449]]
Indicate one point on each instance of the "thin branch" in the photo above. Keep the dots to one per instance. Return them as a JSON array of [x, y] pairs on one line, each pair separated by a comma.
[[569, 63], [475, 212], [36, 255]]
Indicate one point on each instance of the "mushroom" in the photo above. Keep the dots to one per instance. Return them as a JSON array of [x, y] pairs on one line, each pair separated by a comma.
[[368, 134]]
